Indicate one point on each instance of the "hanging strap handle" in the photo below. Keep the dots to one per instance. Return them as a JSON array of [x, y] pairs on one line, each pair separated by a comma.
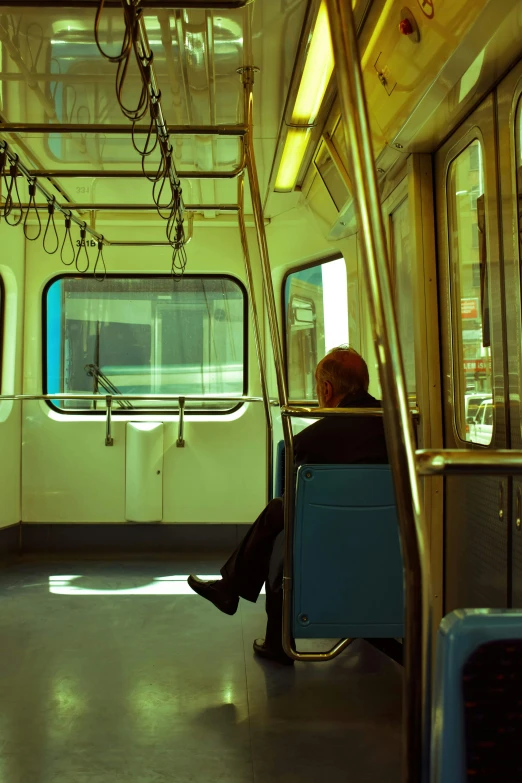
[[32, 206], [83, 243], [99, 258], [67, 236], [51, 222]]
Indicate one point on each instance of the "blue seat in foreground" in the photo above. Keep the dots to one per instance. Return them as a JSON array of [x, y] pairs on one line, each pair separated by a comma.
[[477, 703], [348, 571]]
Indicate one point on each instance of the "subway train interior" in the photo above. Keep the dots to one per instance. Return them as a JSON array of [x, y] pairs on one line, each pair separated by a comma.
[[199, 199]]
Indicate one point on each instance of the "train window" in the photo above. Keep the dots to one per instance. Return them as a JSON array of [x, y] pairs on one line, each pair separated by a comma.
[[469, 273], [145, 335], [316, 308], [403, 280]]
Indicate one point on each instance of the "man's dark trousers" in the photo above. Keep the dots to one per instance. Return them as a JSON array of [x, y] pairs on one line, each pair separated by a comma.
[[247, 569]]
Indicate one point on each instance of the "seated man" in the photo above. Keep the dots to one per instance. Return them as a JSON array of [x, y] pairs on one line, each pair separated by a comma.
[[342, 381]]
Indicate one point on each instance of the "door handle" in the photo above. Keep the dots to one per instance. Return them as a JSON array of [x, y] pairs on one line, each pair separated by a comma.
[[518, 521], [501, 501]]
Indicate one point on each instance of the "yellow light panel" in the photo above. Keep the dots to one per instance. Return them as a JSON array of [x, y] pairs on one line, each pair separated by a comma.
[[293, 154], [317, 71]]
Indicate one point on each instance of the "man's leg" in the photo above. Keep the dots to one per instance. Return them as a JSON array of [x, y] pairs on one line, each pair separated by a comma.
[[246, 570]]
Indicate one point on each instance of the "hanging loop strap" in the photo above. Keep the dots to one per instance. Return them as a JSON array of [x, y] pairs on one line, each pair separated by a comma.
[[82, 242], [51, 222], [179, 251], [32, 206], [12, 197], [100, 277], [67, 240]]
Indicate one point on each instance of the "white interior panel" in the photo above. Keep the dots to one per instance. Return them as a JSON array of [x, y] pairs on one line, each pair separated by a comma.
[[144, 472]]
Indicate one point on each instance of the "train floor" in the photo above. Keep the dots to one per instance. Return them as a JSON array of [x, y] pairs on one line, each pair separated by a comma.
[[114, 672]]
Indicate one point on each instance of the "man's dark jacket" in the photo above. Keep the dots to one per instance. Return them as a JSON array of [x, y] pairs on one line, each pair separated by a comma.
[[344, 439]]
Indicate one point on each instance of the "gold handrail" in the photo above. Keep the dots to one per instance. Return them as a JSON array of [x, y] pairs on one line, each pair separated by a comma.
[[257, 332], [461, 462], [397, 419]]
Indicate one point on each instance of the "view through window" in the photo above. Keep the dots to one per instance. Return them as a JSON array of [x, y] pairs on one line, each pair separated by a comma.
[[316, 307], [469, 273], [146, 335]]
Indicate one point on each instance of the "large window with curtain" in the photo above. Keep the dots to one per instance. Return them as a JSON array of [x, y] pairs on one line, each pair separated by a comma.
[[139, 334]]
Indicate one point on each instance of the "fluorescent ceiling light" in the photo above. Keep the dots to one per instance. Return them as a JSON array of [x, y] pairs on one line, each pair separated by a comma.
[[314, 82], [317, 71], [293, 154]]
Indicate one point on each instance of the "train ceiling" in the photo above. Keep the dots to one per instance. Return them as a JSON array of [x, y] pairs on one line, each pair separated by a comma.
[[52, 74]]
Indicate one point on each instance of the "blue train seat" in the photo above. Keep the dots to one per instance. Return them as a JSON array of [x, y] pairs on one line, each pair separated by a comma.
[[477, 700], [348, 571]]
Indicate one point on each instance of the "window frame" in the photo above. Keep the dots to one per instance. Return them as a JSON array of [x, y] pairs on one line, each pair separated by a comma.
[[458, 394], [394, 201], [155, 411], [307, 265]]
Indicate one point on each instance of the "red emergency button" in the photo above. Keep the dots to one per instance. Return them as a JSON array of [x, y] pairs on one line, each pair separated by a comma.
[[405, 27]]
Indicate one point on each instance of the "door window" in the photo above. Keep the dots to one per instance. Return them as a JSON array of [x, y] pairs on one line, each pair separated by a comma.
[[316, 316], [470, 291]]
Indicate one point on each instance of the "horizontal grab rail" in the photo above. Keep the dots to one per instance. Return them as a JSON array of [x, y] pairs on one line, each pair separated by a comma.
[[313, 413], [180, 399], [116, 397], [453, 462]]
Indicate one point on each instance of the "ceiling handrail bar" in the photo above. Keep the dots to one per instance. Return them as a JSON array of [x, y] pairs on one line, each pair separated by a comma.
[[128, 173], [397, 420], [136, 207], [147, 5], [120, 129]]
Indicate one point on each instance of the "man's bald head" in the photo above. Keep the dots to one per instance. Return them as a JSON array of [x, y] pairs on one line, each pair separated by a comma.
[[342, 373]]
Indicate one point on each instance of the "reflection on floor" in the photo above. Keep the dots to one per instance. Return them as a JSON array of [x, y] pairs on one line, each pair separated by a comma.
[[148, 686]]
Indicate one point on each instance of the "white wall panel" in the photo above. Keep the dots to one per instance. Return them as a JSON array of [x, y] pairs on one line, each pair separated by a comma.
[[144, 472], [219, 475], [69, 474], [12, 272]]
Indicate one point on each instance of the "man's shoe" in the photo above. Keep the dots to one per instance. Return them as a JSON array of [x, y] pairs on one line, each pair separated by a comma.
[[216, 592], [261, 650]]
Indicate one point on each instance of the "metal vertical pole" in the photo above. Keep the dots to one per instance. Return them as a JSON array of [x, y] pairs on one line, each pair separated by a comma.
[[256, 326], [248, 83], [109, 440], [399, 435]]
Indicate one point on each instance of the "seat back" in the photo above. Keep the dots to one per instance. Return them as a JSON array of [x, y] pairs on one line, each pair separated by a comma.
[[477, 699], [348, 571]]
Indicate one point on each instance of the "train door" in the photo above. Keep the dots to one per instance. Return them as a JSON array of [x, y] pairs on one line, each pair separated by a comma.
[[510, 165], [473, 355]]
